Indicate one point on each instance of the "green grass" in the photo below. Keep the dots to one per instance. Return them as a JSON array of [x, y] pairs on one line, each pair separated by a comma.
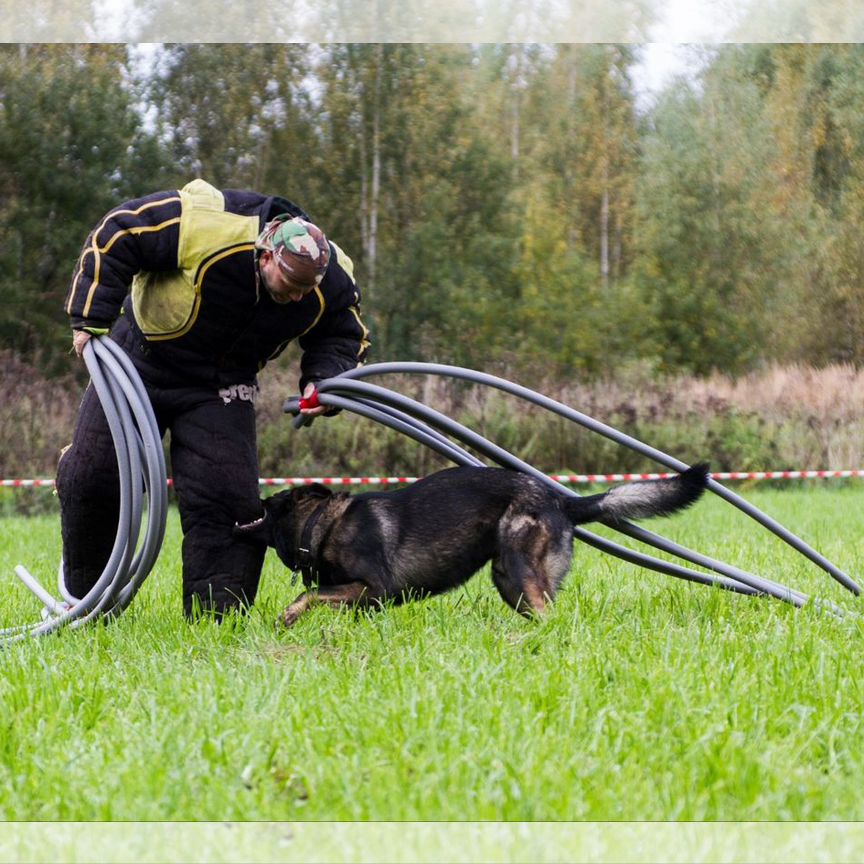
[[639, 697]]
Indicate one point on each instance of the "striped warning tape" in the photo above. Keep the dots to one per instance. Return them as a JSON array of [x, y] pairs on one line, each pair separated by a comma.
[[561, 478], [718, 475]]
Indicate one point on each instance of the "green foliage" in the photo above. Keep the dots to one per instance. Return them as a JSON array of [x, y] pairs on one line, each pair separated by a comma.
[[699, 238], [505, 205], [238, 115], [436, 253], [748, 194], [70, 147]]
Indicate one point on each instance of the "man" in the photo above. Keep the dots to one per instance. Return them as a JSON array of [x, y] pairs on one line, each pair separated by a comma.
[[221, 282]]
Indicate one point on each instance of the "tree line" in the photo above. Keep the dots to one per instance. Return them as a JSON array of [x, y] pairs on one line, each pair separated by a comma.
[[507, 207]]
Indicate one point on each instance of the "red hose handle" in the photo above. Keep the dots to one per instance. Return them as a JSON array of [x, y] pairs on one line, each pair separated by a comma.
[[310, 401]]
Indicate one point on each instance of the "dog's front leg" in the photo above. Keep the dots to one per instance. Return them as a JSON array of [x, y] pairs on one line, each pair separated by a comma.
[[352, 594]]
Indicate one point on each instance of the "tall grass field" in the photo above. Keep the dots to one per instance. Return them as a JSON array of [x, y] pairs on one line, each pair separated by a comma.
[[638, 697]]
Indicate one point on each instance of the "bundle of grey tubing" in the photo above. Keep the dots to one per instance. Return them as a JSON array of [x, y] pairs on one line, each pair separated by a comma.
[[445, 436], [141, 463]]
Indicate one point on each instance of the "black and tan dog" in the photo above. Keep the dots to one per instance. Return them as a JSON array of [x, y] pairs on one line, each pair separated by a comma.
[[434, 535]]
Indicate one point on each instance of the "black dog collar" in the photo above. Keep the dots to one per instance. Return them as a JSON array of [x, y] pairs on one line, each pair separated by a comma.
[[307, 557]]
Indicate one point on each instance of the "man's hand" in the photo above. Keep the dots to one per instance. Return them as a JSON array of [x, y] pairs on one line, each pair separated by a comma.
[[311, 395], [79, 339]]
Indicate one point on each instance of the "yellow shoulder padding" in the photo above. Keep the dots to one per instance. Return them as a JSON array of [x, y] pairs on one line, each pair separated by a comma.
[[205, 227], [166, 304], [344, 261]]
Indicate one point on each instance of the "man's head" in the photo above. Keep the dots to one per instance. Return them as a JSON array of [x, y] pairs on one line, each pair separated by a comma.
[[293, 255]]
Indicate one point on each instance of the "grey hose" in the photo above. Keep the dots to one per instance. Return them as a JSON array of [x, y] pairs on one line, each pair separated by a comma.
[[344, 387], [407, 425], [155, 478], [141, 465], [613, 434]]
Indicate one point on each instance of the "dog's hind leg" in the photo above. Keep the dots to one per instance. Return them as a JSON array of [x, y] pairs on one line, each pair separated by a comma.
[[351, 594]]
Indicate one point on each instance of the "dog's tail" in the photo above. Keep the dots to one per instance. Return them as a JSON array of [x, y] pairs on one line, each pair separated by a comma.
[[641, 500]]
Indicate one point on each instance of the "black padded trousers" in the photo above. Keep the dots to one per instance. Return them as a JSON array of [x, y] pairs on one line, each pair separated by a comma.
[[215, 469]]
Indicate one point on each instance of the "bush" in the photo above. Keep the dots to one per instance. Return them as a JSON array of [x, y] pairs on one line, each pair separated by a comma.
[[37, 418]]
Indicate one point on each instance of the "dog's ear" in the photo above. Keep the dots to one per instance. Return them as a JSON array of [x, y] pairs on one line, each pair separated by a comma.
[[313, 490]]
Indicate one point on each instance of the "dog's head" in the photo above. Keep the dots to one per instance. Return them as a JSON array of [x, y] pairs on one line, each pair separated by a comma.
[[285, 514]]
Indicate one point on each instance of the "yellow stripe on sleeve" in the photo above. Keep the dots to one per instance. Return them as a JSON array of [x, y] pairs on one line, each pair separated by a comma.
[[96, 250]]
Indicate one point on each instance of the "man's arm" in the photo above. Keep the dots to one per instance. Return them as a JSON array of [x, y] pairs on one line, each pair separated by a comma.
[[340, 339], [142, 234], [337, 343]]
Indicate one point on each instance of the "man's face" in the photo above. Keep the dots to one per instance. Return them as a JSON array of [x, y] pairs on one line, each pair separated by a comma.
[[278, 287]]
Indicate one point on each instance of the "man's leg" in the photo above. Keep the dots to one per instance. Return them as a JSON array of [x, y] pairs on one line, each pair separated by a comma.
[[88, 486], [215, 468], [89, 492]]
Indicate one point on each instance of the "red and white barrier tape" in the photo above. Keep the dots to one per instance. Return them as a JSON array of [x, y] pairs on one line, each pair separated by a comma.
[[716, 475], [561, 478]]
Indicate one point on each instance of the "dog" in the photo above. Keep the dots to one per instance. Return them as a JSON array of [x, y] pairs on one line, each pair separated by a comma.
[[433, 535]]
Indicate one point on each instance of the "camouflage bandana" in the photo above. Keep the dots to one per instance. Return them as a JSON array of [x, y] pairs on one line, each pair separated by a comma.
[[299, 248]]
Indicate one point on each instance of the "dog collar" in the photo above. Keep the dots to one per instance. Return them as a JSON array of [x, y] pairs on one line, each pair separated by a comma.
[[307, 557]]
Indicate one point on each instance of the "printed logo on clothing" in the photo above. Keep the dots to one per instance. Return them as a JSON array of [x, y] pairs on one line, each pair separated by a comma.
[[243, 392]]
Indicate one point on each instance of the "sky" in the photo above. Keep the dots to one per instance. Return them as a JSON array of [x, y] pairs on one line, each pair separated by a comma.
[[677, 21], [669, 53], [446, 20]]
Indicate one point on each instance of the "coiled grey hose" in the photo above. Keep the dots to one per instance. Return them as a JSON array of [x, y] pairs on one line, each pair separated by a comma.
[[345, 392], [141, 465]]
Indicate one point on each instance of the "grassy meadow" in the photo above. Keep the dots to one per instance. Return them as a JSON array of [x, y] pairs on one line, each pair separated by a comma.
[[639, 697]]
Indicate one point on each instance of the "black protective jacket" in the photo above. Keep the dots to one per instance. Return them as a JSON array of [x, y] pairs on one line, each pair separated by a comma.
[[196, 303]]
